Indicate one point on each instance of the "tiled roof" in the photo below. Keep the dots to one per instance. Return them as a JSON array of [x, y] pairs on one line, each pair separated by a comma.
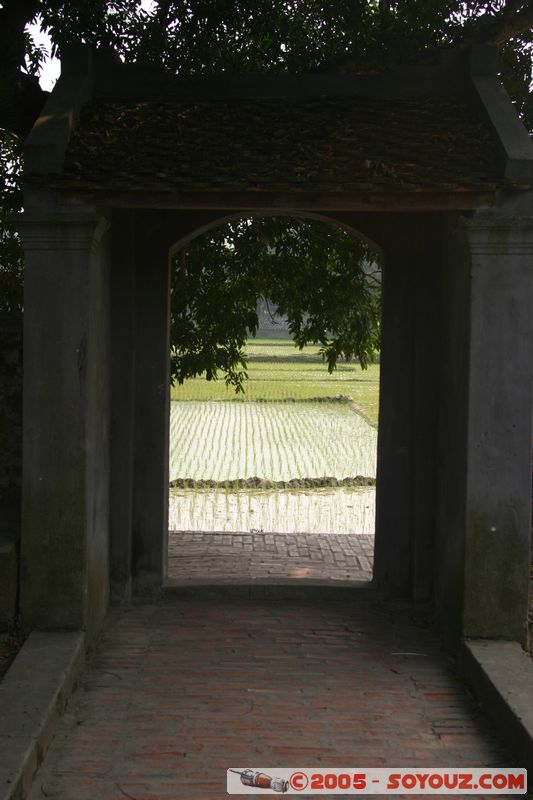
[[319, 144]]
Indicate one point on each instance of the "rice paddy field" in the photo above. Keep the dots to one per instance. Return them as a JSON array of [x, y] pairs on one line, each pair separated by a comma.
[[220, 440], [294, 421], [279, 371]]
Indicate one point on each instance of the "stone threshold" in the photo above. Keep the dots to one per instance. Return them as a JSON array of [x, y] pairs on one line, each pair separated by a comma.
[[337, 591], [500, 674], [33, 696]]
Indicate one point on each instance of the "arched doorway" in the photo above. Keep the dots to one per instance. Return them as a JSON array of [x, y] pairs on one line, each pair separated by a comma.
[[277, 483]]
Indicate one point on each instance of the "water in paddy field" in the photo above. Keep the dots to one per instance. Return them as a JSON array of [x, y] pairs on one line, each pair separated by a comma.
[[278, 441], [346, 511]]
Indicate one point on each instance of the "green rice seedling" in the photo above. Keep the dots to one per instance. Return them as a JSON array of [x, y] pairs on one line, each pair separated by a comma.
[[274, 440], [292, 439]]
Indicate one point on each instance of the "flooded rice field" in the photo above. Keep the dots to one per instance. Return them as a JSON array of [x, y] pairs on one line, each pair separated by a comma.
[[278, 441], [339, 510], [275, 441]]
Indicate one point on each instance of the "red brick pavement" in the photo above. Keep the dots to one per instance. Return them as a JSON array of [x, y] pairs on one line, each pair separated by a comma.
[[176, 693], [243, 557]]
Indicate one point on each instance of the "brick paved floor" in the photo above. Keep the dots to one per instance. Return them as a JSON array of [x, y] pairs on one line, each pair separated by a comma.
[[244, 557], [176, 693]]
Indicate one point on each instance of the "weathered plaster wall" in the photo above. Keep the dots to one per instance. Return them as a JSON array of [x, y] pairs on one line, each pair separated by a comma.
[[499, 425], [484, 504], [54, 514]]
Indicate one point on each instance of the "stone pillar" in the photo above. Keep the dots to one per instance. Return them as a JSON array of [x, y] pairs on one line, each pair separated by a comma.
[[152, 397], [392, 569], [498, 445], [10, 422], [426, 378], [122, 401], [453, 365], [64, 580], [10, 463], [407, 435]]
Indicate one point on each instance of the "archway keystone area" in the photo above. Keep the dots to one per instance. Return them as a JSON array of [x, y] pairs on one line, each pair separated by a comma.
[[430, 163]]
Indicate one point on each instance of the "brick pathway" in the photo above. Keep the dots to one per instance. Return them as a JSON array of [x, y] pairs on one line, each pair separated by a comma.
[[244, 557], [176, 693]]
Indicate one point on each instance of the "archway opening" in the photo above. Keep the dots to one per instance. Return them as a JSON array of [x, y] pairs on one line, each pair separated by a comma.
[[275, 325]]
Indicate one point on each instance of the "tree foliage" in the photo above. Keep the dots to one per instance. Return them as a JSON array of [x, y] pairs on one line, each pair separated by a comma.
[[324, 280], [230, 268]]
